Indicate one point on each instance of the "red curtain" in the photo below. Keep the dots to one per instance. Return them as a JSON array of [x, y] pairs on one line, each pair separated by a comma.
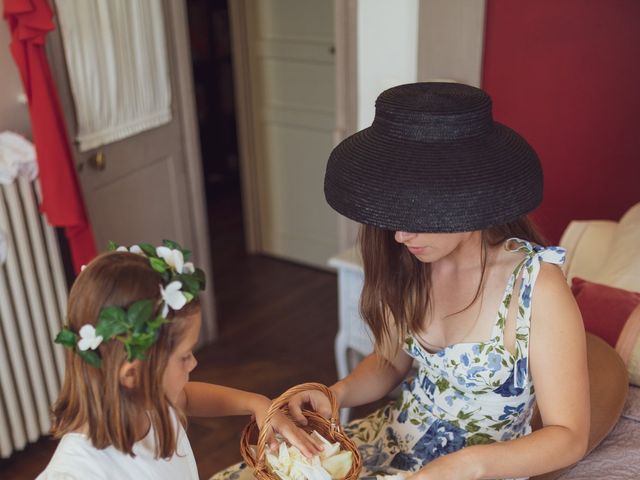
[[62, 203]]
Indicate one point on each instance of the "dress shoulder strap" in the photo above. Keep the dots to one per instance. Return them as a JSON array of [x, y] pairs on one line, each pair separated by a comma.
[[528, 269]]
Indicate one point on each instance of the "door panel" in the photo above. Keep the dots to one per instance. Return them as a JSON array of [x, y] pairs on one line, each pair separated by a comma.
[[148, 190], [294, 82]]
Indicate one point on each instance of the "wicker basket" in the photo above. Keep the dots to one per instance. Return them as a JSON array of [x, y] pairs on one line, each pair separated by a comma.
[[329, 429]]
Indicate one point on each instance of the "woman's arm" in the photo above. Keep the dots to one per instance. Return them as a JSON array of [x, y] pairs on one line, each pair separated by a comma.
[[558, 363], [371, 380]]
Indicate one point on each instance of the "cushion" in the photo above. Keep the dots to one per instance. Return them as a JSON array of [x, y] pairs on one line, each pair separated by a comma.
[[605, 309], [628, 346], [622, 266], [608, 387]]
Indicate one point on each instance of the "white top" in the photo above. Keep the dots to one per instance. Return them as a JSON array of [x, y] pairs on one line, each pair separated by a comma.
[[76, 458]]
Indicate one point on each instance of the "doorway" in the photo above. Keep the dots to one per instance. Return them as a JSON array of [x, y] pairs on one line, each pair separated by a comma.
[[210, 42]]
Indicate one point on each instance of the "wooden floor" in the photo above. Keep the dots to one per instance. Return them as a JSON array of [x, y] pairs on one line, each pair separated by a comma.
[[277, 324]]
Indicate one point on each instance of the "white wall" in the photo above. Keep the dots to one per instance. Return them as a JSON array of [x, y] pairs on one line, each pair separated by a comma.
[[387, 50], [13, 114]]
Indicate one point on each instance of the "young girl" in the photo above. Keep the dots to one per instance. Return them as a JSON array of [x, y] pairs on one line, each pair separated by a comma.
[[456, 280], [133, 321]]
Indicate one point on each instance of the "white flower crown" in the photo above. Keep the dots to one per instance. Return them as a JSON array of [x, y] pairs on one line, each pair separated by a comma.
[[137, 327]]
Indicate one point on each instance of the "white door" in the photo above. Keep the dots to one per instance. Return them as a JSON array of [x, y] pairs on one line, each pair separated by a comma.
[[291, 52], [150, 187]]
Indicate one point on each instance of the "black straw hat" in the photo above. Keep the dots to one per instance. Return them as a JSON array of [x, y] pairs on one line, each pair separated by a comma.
[[434, 161]]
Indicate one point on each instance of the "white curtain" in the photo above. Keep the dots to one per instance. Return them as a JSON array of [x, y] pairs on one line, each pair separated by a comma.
[[118, 67]]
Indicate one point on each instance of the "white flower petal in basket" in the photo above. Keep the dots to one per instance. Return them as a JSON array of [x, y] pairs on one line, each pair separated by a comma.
[[338, 465]]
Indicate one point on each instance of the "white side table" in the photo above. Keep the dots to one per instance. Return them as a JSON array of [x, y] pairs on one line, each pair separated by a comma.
[[354, 339]]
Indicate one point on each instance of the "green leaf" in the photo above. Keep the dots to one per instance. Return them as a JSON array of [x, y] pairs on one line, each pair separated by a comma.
[[112, 322], [66, 338], [172, 245], [202, 278], [479, 439], [414, 421], [187, 255], [442, 384], [148, 249], [471, 427], [111, 246], [158, 322], [464, 416], [158, 264], [91, 357], [139, 313], [189, 283], [188, 296]]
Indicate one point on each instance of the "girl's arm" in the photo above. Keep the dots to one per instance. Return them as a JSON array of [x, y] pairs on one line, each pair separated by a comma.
[[371, 380], [208, 400], [558, 363]]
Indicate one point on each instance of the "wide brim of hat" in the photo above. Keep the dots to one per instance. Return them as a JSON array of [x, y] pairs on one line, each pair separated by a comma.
[[450, 186]]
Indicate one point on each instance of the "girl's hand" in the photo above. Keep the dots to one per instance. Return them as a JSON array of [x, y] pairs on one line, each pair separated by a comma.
[[311, 400], [454, 466], [281, 424]]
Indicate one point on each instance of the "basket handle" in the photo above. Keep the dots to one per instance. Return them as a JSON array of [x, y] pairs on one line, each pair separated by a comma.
[[281, 402]]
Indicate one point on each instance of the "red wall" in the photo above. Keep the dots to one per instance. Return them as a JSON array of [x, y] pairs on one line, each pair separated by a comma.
[[566, 75]]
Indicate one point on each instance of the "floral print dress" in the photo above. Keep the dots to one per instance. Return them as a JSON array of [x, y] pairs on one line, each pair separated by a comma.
[[465, 394]]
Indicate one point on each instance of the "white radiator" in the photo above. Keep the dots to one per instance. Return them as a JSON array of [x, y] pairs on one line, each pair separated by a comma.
[[33, 297]]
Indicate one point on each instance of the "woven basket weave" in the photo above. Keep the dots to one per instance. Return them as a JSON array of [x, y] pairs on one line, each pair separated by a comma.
[[329, 429]]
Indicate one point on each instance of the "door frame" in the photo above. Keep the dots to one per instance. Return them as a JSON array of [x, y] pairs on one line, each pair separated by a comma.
[[180, 58], [179, 52], [242, 28]]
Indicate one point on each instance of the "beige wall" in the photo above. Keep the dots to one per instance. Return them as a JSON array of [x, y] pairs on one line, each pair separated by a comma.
[[13, 114]]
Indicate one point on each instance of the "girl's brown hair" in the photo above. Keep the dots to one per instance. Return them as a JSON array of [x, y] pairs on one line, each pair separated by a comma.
[[396, 293], [93, 399]]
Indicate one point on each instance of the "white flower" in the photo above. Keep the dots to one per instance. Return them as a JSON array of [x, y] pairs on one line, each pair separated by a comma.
[[172, 297], [188, 268], [133, 249], [88, 339], [174, 258]]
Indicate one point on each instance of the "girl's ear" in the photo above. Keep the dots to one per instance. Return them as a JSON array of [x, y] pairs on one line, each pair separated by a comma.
[[129, 374]]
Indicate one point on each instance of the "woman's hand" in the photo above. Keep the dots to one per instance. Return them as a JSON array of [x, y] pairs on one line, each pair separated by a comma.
[[281, 424], [310, 400], [454, 466]]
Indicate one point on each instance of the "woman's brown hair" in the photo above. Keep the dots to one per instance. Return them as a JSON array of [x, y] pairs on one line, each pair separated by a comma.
[[92, 399], [396, 293]]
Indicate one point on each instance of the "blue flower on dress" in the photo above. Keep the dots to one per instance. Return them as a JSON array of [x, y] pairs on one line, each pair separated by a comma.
[[510, 411], [373, 455], [526, 296], [476, 349], [455, 395], [464, 358], [521, 371], [404, 461], [441, 438], [428, 386], [402, 416], [508, 389], [473, 370], [494, 361]]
